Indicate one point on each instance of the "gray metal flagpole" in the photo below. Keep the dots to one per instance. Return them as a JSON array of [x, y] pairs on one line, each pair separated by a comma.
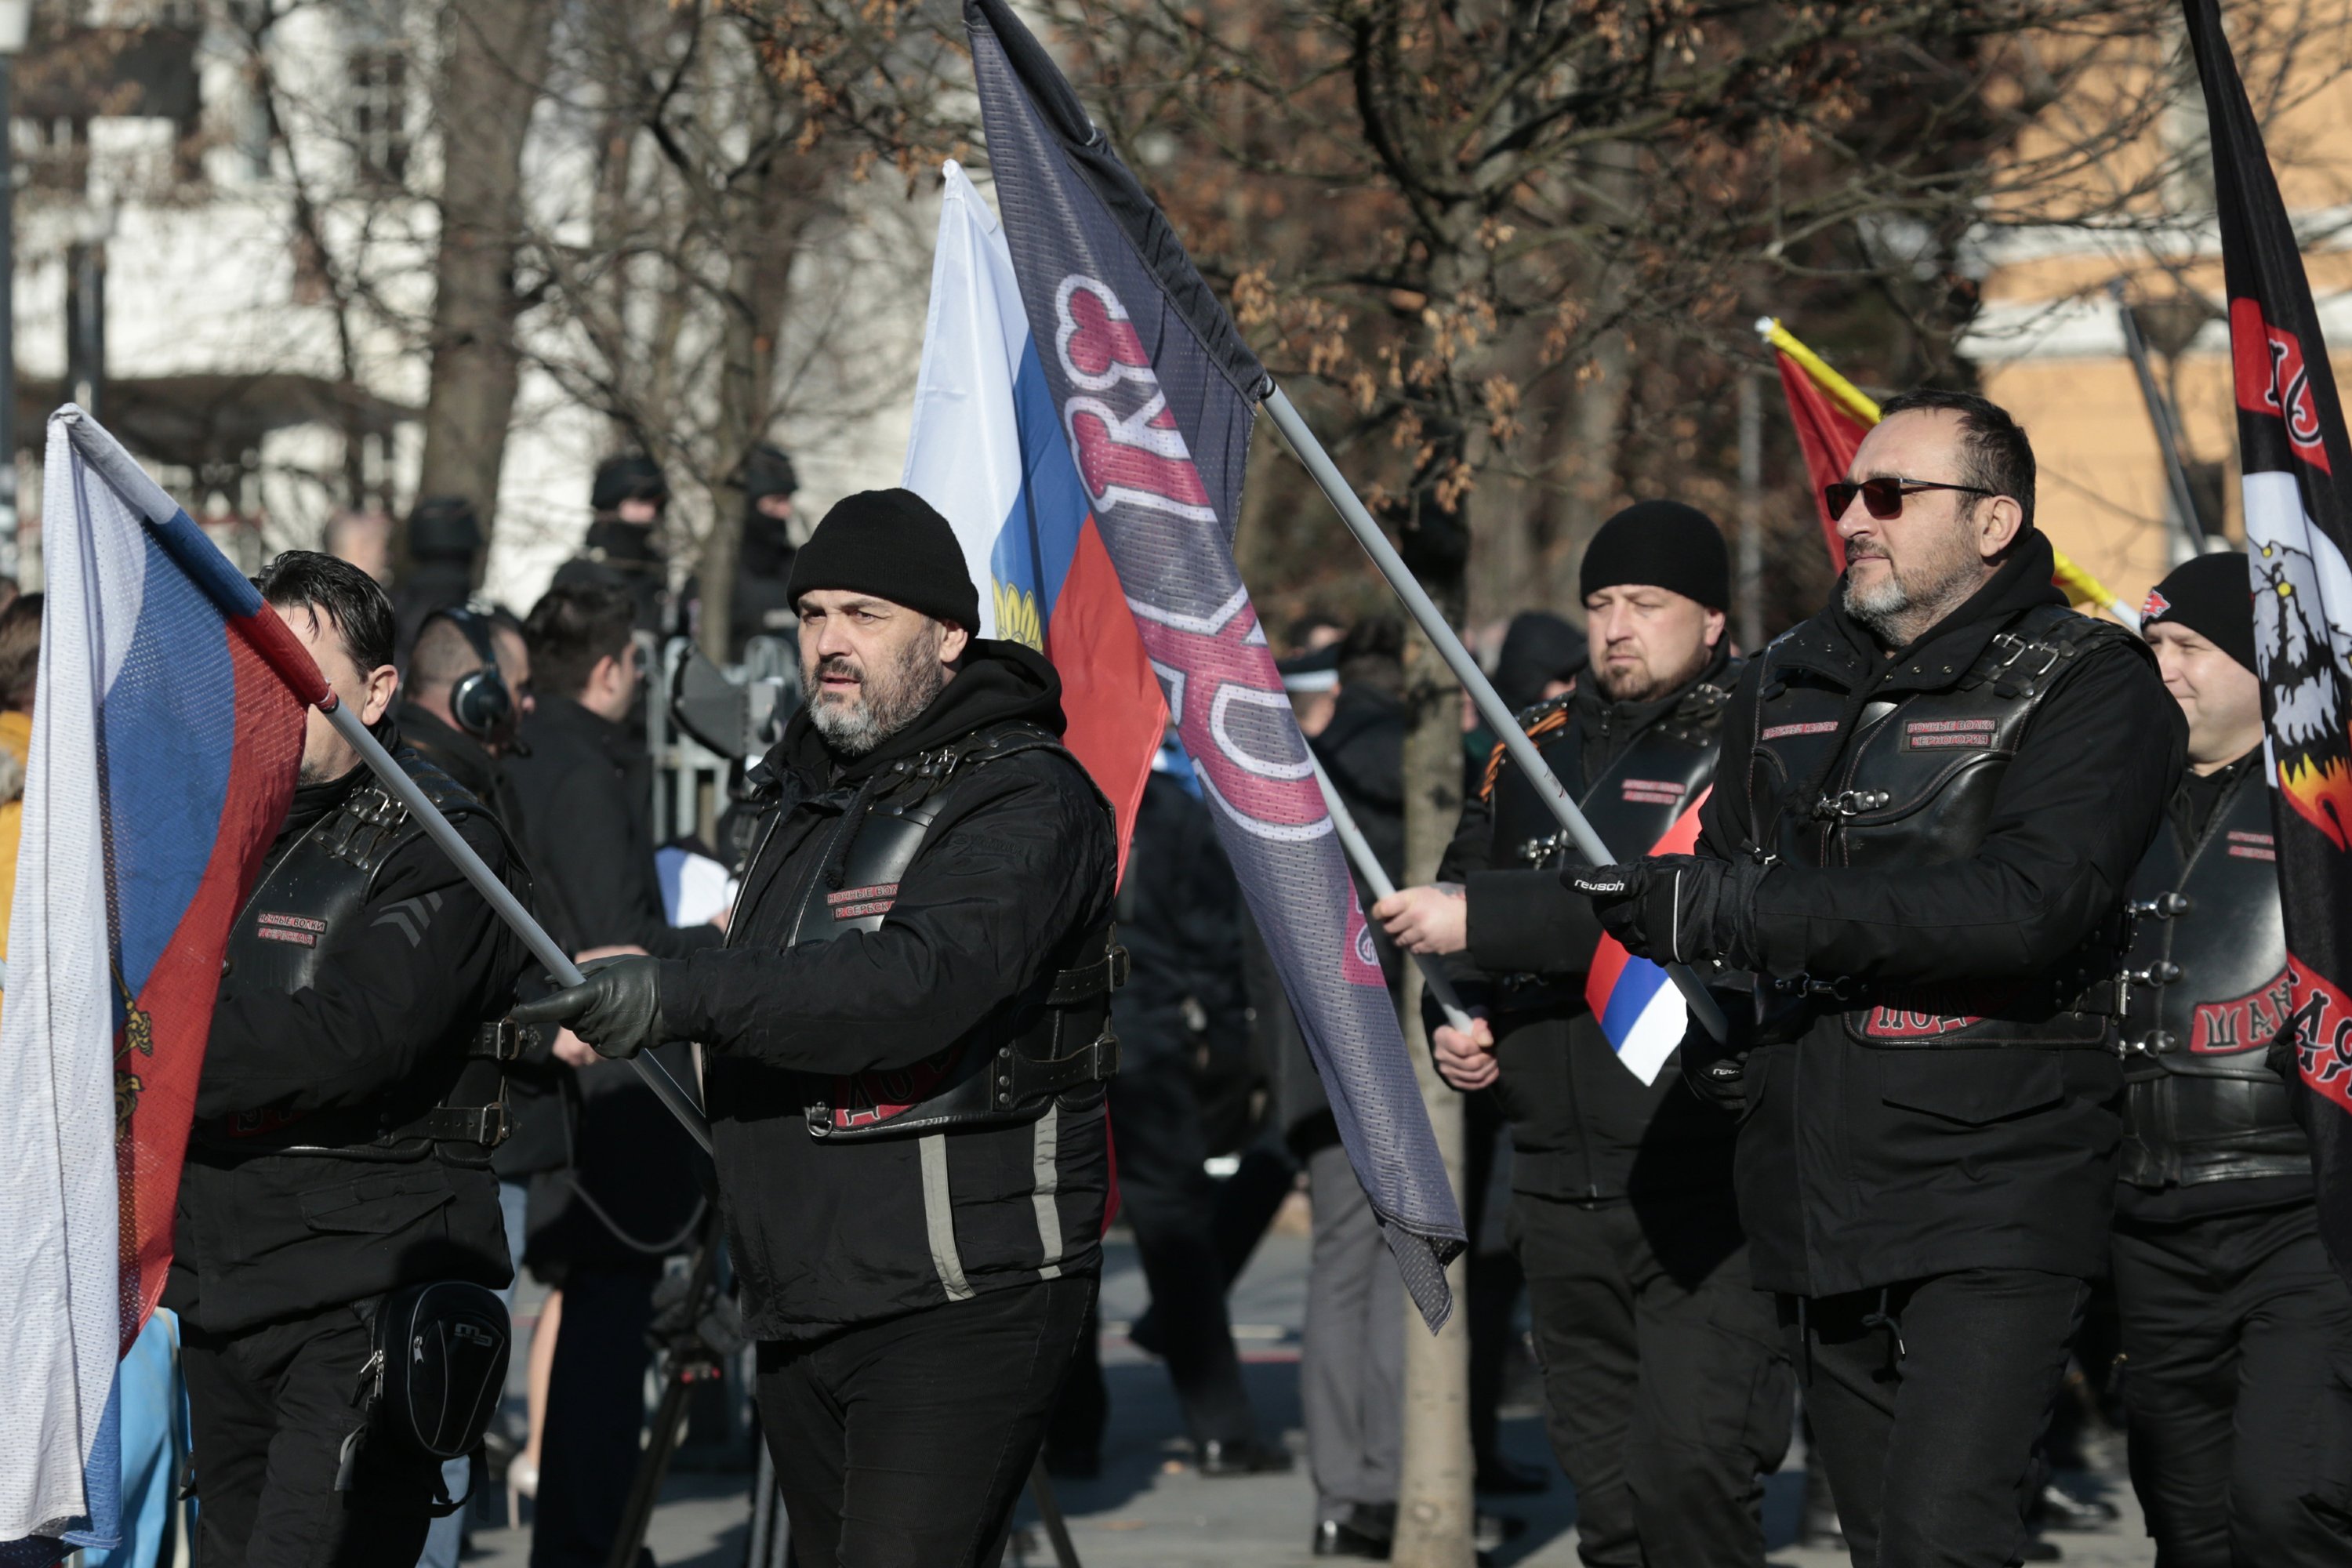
[[502, 900], [1465, 670], [1368, 868], [2159, 415]]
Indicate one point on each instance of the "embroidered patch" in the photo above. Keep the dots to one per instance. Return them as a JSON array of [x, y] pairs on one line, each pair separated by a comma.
[[857, 903], [2243, 1023], [2253, 845], [1818, 727], [1654, 792], [1946, 734], [300, 929], [1899, 1024]]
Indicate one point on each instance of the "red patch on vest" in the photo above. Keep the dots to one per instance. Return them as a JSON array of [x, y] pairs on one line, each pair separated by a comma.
[[1899, 1024], [1947, 734], [2242, 1023], [2253, 845], [1818, 727], [857, 903], [871, 1098]]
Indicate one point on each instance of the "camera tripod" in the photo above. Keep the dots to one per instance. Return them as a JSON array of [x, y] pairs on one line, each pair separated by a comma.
[[695, 1337]]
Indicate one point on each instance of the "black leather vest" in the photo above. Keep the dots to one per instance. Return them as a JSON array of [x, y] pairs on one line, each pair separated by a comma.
[[1912, 782], [1636, 797], [1053, 1043], [2205, 994], [303, 904]]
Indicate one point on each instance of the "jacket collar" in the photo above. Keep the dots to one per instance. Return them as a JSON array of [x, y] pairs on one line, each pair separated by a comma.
[[1835, 647]]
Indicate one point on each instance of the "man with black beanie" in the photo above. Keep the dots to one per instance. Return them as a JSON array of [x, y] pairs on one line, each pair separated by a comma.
[[2236, 1330], [907, 1040], [1665, 1388]]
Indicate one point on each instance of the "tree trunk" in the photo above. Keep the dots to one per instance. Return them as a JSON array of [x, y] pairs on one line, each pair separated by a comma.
[[497, 57], [1435, 1515]]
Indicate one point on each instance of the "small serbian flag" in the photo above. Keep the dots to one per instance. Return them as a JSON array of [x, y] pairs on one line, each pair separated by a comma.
[[167, 729], [987, 449], [1638, 1007]]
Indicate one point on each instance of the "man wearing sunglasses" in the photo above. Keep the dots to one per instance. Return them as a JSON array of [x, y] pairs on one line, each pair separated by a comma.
[[1932, 794]]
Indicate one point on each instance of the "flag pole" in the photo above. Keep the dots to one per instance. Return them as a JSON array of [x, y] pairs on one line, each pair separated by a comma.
[[1417, 602], [2159, 417], [1368, 870], [501, 899]]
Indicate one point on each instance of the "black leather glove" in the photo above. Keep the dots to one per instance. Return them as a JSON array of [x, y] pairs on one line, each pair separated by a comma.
[[1671, 909], [616, 1006], [1716, 1071]]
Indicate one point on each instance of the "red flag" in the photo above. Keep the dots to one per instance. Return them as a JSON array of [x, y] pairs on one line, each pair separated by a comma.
[[1827, 433], [2290, 440]]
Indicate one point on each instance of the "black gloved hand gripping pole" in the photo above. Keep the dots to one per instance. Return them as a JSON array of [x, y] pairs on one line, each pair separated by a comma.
[[502, 900]]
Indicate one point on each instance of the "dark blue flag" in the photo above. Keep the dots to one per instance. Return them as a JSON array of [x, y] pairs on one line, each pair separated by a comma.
[[1157, 393]]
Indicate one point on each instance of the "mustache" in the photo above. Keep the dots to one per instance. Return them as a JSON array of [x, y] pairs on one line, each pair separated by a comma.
[[839, 664]]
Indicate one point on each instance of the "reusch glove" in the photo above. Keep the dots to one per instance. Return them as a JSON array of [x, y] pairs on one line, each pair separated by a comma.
[[1670, 908], [616, 1006], [1717, 1070]]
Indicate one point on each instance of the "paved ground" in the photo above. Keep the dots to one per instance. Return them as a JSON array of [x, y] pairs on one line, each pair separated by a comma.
[[1149, 1510]]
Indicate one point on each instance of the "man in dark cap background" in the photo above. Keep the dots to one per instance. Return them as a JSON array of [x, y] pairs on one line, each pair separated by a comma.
[[905, 1040], [2235, 1329], [445, 547], [1665, 1388], [623, 545], [762, 604]]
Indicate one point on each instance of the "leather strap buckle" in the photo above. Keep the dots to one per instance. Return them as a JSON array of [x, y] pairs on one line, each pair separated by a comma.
[[499, 1040]]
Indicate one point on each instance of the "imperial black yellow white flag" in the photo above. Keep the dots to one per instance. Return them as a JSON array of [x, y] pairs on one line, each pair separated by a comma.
[[2291, 439]]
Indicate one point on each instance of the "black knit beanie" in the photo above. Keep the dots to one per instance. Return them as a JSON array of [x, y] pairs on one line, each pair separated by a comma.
[[893, 545], [2212, 597], [1660, 544]]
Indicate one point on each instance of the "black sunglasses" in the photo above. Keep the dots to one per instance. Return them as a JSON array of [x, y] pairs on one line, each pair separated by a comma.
[[1884, 496]]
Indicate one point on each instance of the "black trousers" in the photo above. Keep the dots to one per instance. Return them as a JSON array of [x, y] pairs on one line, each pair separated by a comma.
[[1170, 1202], [1665, 1387], [2237, 1345], [270, 1408], [1927, 1401], [595, 1410], [905, 1442]]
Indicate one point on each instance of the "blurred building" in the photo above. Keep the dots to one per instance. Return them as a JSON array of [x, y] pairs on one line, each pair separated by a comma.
[[226, 240], [2050, 342]]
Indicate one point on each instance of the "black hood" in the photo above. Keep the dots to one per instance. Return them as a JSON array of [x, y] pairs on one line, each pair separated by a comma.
[[2022, 583], [999, 681]]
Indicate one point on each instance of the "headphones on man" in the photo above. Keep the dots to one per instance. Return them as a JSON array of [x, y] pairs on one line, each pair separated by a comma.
[[478, 700]]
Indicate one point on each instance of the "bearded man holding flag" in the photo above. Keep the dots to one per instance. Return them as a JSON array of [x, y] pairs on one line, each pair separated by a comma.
[[1665, 1388], [1930, 798]]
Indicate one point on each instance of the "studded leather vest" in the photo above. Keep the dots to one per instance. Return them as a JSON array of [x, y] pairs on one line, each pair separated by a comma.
[[1052, 1043], [1911, 782], [2205, 995], [302, 906], [1636, 797]]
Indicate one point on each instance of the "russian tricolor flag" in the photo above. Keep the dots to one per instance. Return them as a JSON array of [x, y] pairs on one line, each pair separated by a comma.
[[1638, 1007], [987, 449], [167, 729]]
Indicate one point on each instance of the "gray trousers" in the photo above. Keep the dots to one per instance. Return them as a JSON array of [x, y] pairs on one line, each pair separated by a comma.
[[1351, 1368]]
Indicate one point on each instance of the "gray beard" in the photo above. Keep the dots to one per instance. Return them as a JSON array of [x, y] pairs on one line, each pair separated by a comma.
[[882, 708], [1897, 610]]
